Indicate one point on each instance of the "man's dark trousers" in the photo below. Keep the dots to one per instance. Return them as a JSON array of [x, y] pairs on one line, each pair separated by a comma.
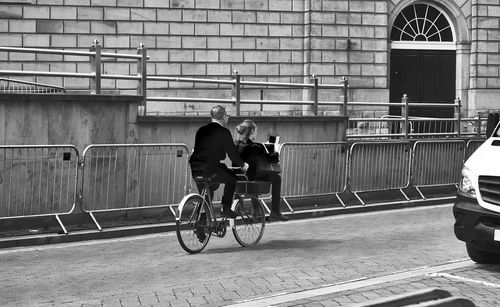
[[219, 173]]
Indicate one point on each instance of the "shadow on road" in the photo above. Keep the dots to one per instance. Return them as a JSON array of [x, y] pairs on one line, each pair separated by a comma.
[[280, 245]]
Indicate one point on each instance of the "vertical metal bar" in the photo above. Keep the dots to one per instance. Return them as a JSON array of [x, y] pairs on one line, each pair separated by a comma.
[[156, 170], [478, 124], [47, 175], [404, 113], [458, 107], [39, 199], [127, 174], [345, 84], [96, 167], [110, 153], [163, 181], [315, 95], [3, 193], [142, 72], [68, 174], [146, 185], [95, 65], [61, 180], [54, 175], [30, 192], [10, 181], [139, 181], [25, 179], [237, 92], [114, 176]]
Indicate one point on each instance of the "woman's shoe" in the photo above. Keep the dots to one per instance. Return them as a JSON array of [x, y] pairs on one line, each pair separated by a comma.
[[278, 216], [230, 214]]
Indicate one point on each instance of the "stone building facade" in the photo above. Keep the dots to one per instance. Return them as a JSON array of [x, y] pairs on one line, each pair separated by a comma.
[[384, 47]]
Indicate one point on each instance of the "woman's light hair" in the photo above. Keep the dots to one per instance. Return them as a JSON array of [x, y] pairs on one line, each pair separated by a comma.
[[246, 128]]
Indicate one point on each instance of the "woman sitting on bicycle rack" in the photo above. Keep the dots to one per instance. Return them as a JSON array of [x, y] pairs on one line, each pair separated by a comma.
[[253, 153], [212, 142]]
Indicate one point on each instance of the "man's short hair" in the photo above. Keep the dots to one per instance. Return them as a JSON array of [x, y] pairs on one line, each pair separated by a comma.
[[217, 112]]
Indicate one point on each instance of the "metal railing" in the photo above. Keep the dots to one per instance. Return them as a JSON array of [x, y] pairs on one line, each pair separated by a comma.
[[131, 176], [95, 76], [8, 86], [237, 84], [38, 180], [54, 180], [403, 126]]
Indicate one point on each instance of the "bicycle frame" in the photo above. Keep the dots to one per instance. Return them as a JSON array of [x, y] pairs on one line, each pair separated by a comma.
[[206, 196]]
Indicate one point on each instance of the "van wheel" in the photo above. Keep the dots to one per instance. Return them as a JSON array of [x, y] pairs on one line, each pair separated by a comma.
[[481, 256]]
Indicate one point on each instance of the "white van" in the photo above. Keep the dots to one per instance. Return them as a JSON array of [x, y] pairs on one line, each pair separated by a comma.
[[477, 206]]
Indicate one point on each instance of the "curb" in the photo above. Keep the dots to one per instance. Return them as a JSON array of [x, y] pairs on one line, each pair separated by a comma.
[[136, 230]]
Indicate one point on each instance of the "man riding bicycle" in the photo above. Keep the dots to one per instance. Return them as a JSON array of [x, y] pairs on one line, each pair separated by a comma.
[[212, 143]]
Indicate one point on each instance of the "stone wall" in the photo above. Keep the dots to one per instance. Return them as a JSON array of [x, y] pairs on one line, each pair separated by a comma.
[[279, 40], [265, 40], [67, 119], [82, 120]]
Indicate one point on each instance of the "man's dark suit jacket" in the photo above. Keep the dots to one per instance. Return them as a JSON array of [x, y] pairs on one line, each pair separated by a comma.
[[212, 143]]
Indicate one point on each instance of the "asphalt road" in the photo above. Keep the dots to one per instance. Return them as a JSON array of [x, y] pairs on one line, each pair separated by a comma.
[[300, 262]]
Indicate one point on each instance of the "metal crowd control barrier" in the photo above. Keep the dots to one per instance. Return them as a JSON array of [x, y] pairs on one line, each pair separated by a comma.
[[313, 169], [471, 146], [377, 166], [38, 180], [131, 176], [436, 163]]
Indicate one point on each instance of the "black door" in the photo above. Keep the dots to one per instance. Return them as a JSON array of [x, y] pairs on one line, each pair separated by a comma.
[[426, 76]]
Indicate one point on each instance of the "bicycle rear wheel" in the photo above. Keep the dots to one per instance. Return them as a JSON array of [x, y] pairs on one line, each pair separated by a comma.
[[248, 227], [193, 224]]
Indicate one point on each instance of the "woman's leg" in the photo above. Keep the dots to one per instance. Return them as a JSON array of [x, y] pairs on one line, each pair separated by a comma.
[[275, 180]]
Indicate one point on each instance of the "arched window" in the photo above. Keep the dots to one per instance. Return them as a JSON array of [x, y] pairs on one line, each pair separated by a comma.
[[421, 23]]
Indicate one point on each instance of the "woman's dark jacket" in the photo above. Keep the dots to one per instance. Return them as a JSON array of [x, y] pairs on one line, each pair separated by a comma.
[[253, 153]]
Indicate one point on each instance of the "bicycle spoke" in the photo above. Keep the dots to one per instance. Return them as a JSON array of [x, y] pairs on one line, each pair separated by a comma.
[[193, 232], [249, 226]]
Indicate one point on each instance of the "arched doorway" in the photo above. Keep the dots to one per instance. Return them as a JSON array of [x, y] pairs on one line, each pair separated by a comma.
[[423, 60]]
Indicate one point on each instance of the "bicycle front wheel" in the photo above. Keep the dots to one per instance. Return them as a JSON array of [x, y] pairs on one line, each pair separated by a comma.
[[193, 224], [248, 227]]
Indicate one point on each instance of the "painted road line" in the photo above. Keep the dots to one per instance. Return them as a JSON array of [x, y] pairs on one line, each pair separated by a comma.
[[352, 284], [465, 279]]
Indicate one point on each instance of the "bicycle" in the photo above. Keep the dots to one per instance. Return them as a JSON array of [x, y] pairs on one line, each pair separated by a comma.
[[196, 220]]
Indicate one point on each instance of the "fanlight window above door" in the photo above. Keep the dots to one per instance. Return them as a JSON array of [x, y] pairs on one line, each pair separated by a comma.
[[421, 22]]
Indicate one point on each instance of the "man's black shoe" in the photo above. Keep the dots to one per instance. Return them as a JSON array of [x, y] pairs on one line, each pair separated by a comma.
[[278, 216], [200, 230], [230, 214], [200, 234]]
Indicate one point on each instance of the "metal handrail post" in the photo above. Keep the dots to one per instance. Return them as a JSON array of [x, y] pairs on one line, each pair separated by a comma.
[[458, 107], [404, 113], [236, 92], [95, 65], [142, 73], [315, 94], [345, 84], [479, 124]]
